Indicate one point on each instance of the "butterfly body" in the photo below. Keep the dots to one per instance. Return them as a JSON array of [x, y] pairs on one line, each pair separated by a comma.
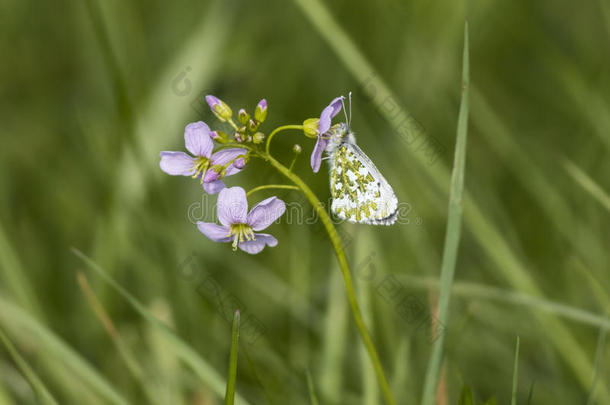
[[360, 192]]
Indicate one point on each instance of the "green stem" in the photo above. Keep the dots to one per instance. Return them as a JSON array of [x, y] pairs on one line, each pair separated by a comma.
[[235, 127], [294, 160], [347, 277], [278, 129], [234, 145], [272, 186]]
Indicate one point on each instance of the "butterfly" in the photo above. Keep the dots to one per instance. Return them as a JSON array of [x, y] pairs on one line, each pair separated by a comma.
[[360, 193]]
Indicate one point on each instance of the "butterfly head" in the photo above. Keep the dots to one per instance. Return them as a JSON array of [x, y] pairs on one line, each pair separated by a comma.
[[337, 135], [341, 133]]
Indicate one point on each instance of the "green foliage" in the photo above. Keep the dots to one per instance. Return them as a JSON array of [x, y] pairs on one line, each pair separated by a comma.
[[232, 377], [92, 91], [454, 229], [467, 398]]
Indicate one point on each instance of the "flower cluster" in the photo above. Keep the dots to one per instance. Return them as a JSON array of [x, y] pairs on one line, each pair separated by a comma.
[[215, 155], [211, 167]]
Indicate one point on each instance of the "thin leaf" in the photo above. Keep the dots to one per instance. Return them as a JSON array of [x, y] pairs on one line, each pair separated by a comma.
[[370, 389], [30, 330], [313, 399], [471, 291], [333, 342], [587, 183], [230, 393], [452, 237], [130, 360], [601, 341], [466, 396], [43, 394], [484, 231], [14, 276], [530, 394], [513, 400], [188, 355]]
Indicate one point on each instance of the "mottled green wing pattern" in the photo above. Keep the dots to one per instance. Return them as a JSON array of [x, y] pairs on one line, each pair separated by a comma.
[[360, 193]]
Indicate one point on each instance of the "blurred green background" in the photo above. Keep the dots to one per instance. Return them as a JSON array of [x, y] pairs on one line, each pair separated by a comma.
[[93, 90]]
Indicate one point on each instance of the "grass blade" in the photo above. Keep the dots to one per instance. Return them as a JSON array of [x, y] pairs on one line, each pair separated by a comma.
[[313, 399], [230, 394], [333, 348], [491, 239], [32, 331], [202, 369], [466, 397], [513, 400], [475, 291], [452, 237], [370, 391], [587, 183], [14, 277], [130, 360], [530, 394], [43, 394], [601, 341]]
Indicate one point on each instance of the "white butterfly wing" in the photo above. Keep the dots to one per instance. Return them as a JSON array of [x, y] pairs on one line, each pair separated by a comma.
[[360, 192]]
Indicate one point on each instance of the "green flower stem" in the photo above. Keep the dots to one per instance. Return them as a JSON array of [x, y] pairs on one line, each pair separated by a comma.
[[234, 145], [278, 129], [230, 121], [272, 186], [347, 277]]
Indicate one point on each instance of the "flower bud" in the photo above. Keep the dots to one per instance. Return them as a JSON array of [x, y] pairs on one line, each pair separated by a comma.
[[260, 113], [219, 136], [258, 137], [219, 108], [310, 127], [253, 125], [297, 148], [240, 163], [239, 137], [243, 117]]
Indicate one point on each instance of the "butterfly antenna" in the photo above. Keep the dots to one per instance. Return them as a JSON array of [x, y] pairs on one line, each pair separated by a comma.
[[349, 123], [344, 111]]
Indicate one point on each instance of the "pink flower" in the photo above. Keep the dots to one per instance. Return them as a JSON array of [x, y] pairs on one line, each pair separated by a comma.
[[209, 168], [324, 125], [238, 225]]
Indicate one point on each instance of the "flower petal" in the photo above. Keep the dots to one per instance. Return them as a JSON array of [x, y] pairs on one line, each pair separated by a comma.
[[197, 139], [329, 113], [213, 187], [222, 157], [214, 231], [232, 206], [212, 101], [177, 163], [265, 213], [336, 104], [255, 246], [316, 155], [325, 119]]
